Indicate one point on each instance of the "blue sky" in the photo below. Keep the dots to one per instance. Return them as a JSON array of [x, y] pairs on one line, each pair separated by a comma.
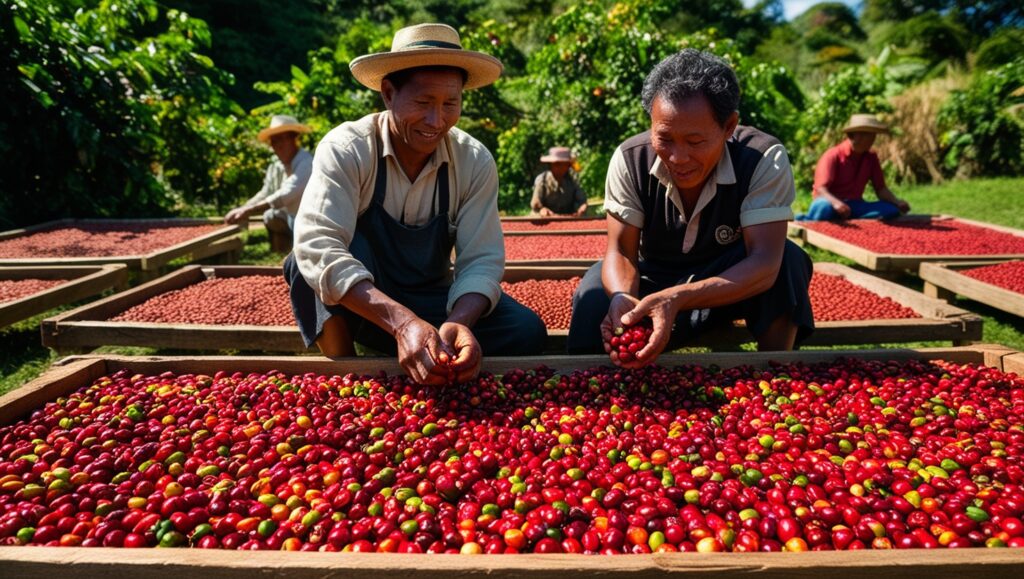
[[794, 8]]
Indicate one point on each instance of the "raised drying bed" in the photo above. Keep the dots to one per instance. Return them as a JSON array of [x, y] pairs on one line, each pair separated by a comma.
[[936, 319], [929, 238], [90, 325], [574, 249], [944, 280], [215, 238], [105, 562], [76, 282]]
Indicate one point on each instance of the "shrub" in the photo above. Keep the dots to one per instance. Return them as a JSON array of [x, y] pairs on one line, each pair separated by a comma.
[[982, 125]]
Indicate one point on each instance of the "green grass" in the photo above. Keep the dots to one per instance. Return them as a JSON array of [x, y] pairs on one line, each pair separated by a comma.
[[22, 358]]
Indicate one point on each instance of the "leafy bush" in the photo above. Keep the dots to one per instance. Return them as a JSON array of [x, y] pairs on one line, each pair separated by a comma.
[[107, 109], [1001, 48], [983, 126]]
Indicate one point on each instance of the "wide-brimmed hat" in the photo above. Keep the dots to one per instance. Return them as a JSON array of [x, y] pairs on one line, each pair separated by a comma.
[[282, 124], [865, 124], [558, 155], [426, 45]]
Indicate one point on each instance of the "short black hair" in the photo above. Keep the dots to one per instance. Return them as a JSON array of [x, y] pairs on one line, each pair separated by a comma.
[[400, 78], [688, 73]]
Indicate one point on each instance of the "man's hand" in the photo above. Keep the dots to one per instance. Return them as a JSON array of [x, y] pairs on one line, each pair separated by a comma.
[[841, 209], [662, 308], [621, 305], [903, 205], [467, 353], [419, 351], [237, 214]]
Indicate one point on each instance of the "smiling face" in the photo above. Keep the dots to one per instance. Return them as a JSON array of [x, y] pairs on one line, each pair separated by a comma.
[[423, 110], [688, 139]]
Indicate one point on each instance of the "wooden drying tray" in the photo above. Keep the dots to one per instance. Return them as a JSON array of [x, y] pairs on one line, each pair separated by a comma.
[[943, 280], [82, 281], [895, 262], [146, 263], [112, 563]]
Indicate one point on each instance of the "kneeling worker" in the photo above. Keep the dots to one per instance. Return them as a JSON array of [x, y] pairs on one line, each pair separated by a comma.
[[390, 196]]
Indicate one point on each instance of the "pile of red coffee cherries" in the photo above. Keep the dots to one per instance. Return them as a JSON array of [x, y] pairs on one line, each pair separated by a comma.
[[628, 340], [845, 455]]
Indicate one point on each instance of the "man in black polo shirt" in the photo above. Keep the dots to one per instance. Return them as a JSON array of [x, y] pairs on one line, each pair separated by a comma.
[[697, 210]]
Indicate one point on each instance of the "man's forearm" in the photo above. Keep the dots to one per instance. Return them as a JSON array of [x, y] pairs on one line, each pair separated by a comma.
[[468, 309], [370, 303], [619, 274]]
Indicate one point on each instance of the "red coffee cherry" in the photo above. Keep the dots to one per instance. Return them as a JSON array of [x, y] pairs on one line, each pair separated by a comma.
[[628, 340]]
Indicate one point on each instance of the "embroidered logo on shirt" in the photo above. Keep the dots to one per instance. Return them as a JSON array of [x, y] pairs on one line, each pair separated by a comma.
[[725, 235]]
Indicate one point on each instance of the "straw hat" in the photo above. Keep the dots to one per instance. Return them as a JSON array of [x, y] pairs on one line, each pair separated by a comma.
[[426, 45], [865, 124], [558, 155], [282, 124]]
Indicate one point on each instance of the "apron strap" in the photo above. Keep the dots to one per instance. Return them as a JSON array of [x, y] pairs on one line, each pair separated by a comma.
[[442, 197]]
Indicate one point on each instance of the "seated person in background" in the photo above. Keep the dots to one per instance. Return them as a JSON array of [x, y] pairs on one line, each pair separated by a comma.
[[697, 210], [285, 179], [555, 191], [390, 196], [844, 171]]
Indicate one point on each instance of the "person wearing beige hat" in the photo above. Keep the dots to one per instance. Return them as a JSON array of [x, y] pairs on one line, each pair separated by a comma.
[[555, 191], [843, 173], [391, 195], [284, 181]]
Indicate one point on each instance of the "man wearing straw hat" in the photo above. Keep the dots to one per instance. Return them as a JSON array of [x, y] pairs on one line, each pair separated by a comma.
[[697, 210], [843, 172], [391, 195], [284, 181], [555, 191]]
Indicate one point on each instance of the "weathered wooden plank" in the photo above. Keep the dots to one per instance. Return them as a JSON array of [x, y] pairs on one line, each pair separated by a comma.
[[57, 381], [83, 282], [897, 262], [106, 563], [946, 277], [498, 364], [538, 219]]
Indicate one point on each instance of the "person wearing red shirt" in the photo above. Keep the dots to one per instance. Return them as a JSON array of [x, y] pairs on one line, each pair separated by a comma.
[[844, 171]]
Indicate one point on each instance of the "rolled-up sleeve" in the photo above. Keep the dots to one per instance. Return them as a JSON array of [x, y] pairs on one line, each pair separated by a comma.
[[326, 221], [290, 191], [771, 190], [621, 198], [479, 244]]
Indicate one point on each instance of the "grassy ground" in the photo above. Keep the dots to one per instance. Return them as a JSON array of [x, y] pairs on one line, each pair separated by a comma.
[[22, 358]]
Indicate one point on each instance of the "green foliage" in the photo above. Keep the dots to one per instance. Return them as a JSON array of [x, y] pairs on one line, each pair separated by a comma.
[[932, 38], [984, 126], [257, 39], [96, 101], [1001, 48]]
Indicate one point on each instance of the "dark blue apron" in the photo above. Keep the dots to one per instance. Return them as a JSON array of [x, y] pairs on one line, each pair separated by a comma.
[[407, 256]]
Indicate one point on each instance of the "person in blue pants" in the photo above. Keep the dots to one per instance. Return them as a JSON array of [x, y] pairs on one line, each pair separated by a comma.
[[843, 173]]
